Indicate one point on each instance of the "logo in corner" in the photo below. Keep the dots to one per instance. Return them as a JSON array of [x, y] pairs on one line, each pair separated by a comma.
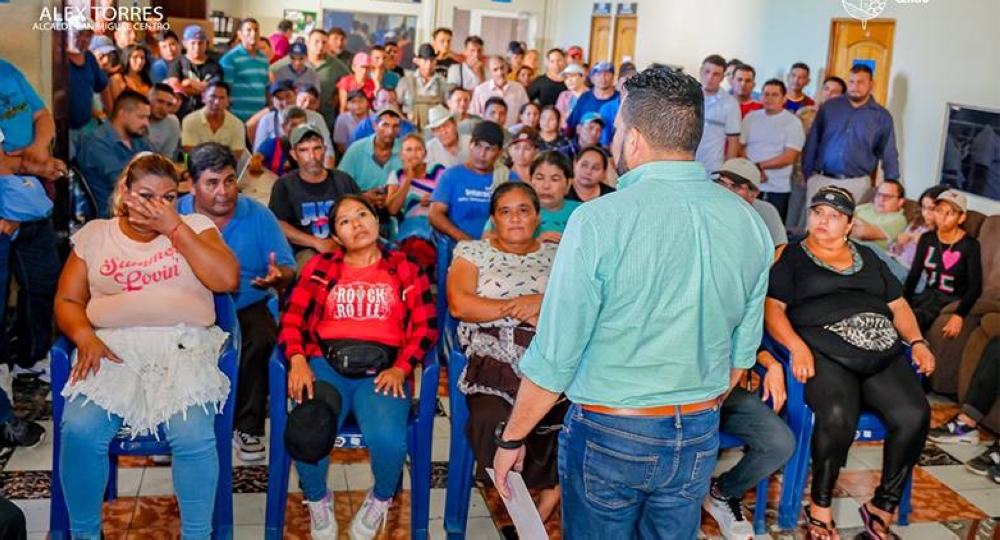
[[864, 10]]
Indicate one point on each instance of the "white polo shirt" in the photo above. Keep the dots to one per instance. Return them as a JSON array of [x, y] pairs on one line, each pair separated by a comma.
[[766, 136], [722, 119]]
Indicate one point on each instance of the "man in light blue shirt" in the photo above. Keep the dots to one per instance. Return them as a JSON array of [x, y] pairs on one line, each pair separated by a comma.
[[653, 310], [370, 160], [266, 262]]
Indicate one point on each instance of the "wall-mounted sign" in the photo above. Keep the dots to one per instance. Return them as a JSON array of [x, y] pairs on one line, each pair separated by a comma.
[[628, 9]]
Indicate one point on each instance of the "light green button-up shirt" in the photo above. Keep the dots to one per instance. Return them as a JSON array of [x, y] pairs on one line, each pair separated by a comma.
[[359, 162], [656, 292]]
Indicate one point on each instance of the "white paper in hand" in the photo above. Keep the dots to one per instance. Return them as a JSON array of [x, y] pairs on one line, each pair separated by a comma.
[[521, 508]]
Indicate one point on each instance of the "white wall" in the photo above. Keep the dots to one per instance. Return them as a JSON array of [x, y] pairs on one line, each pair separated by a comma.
[[30, 50], [943, 51]]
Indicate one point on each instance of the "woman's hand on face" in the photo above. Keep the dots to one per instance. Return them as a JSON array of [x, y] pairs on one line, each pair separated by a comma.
[[803, 364], [153, 214], [391, 381], [524, 308], [300, 379], [89, 353], [923, 358], [953, 327]]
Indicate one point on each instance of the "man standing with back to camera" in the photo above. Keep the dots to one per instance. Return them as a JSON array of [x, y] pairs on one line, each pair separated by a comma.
[[639, 444]]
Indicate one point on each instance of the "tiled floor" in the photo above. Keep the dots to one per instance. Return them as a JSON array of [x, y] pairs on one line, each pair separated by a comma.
[[949, 502]]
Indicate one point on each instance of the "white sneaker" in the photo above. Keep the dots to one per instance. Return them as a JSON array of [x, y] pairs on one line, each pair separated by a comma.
[[248, 447], [39, 371], [728, 513], [322, 519], [370, 519]]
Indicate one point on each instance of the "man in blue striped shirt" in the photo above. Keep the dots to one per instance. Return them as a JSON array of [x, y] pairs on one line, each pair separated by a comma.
[[245, 70], [653, 310]]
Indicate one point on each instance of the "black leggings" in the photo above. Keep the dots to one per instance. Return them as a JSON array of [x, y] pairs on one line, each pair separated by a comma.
[[837, 395]]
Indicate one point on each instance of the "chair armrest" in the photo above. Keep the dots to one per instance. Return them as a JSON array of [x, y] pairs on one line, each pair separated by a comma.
[[429, 379]]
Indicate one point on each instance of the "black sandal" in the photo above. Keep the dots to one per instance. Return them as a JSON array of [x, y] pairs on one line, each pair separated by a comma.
[[826, 531], [871, 520]]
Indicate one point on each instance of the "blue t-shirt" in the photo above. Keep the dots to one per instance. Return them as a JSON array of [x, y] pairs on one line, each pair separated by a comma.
[[158, 71], [588, 102], [84, 81], [22, 199], [18, 104], [366, 128], [608, 113], [253, 234], [467, 194]]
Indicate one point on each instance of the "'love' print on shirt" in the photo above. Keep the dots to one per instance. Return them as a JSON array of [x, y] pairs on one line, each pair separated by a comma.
[[135, 275]]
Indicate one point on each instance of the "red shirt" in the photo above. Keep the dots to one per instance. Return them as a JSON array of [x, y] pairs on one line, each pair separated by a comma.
[[365, 304], [749, 107], [411, 313], [347, 83]]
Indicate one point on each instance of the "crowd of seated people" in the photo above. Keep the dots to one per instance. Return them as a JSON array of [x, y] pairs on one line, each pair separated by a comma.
[[375, 168]]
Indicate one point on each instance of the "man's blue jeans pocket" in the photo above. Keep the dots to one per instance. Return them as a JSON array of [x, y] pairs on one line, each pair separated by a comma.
[[613, 479]]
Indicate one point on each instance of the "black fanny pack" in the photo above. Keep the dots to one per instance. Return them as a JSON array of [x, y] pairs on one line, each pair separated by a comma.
[[358, 359]]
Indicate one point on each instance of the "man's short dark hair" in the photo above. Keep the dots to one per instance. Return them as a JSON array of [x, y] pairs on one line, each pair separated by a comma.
[[667, 108], [391, 43], [163, 87], [168, 34], [863, 68], [453, 89], [319, 31], [376, 48], [210, 156], [778, 83], [247, 21], [442, 30], [733, 62], [336, 31], [802, 66], [293, 113], [900, 190], [745, 67], [219, 84], [474, 39], [286, 26], [307, 88], [128, 100], [555, 50], [495, 100], [715, 60], [840, 82]]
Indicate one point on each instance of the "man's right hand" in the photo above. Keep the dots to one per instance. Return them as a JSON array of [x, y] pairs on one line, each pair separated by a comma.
[[326, 245]]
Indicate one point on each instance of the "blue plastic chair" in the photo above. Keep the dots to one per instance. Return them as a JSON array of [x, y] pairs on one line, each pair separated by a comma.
[[461, 461], [419, 438], [801, 419], [444, 246], [124, 445]]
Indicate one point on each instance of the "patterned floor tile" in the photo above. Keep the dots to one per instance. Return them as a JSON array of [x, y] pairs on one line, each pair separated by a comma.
[[934, 456], [250, 479], [25, 484]]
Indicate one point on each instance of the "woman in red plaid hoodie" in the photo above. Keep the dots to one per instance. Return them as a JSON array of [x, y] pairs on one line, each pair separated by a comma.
[[360, 318]]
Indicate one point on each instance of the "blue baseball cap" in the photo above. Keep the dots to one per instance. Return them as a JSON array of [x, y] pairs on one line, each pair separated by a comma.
[[102, 44], [592, 117], [193, 32], [602, 67], [298, 49], [281, 85]]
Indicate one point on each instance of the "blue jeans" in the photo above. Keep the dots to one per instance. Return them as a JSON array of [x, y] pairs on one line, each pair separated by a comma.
[[35, 264], [87, 430], [628, 477], [767, 438], [382, 419]]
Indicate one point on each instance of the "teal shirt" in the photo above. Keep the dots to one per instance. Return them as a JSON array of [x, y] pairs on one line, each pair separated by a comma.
[[656, 292], [248, 81], [359, 162]]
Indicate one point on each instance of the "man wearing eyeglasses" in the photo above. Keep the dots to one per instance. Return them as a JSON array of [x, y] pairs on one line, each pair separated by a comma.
[[881, 221]]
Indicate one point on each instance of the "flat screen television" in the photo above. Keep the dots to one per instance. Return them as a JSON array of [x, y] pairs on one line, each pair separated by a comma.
[[970, 151]]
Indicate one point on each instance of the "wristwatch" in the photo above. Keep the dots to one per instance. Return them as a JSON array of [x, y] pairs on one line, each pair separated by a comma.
[[499, 440]]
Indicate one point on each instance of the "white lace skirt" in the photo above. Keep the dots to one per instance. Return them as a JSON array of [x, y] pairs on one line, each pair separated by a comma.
[[164, 371]]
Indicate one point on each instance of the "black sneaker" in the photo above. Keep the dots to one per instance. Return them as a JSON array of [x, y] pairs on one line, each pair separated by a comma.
[[982, 463], [994, 474], [21, 433]]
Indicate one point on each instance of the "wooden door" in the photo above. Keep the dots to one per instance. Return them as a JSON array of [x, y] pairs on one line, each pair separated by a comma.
[[600, 38], [625, 37], [850, 43]]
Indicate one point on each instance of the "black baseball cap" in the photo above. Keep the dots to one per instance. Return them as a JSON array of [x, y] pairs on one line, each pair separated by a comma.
[[312, 426], [426, 51], [284, 84], [835, 197], [489, 132]]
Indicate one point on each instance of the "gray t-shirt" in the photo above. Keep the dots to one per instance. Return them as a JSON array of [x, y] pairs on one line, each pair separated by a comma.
[[772, 219], [165, 136]]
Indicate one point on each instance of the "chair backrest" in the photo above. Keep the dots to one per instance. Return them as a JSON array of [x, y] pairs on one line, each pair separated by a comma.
[[989, 246]]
